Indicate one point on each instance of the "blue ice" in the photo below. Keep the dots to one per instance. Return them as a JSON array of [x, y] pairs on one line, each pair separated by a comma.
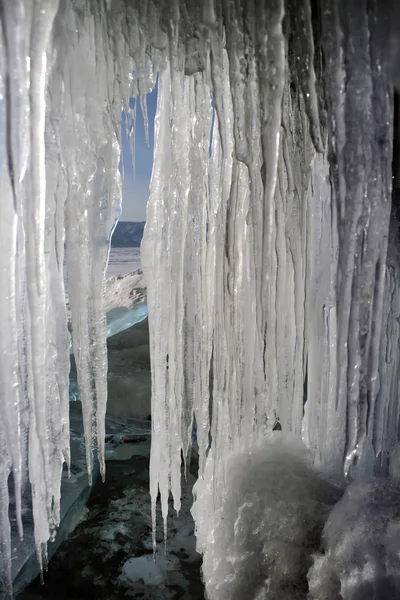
[[121, 318]]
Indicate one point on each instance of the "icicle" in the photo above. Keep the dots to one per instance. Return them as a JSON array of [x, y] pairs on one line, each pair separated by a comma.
[[10, 431], [183, 220], [14, 154], [361, 133], [36, 180], [132, 136], [143, 106], [92, 209], [272, 68], [154, 258]]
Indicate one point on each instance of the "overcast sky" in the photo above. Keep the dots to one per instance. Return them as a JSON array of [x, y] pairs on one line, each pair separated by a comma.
[[136, 190]]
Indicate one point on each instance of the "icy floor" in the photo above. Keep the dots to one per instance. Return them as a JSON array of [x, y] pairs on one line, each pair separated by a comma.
[[109, 554]]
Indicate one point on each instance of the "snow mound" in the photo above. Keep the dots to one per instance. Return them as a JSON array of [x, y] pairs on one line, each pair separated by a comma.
[[260, 543]]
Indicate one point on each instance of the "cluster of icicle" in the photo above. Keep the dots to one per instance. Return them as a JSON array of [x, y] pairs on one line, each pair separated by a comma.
[[265, 261], [266, 240], [60, 124]]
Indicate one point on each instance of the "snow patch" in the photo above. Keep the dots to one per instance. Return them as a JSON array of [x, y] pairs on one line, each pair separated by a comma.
[[152, 573], [144, 567]]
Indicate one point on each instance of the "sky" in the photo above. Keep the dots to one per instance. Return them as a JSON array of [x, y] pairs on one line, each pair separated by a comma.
[[136, 189]]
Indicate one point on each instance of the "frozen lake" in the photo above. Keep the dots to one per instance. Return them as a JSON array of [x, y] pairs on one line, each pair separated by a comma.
[[123, 260]]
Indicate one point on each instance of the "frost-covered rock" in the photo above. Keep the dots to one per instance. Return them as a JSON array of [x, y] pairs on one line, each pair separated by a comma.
[[361, 542], [124, 290]]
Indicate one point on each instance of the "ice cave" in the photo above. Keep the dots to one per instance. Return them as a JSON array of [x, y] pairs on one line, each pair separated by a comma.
[[271, 266]]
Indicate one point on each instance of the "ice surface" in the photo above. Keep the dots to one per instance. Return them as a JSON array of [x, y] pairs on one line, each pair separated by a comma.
[[122, 261], [119, 319], [270, 297]]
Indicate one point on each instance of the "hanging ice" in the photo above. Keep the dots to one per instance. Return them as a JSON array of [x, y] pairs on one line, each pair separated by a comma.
[[272, 303], [49, 123]]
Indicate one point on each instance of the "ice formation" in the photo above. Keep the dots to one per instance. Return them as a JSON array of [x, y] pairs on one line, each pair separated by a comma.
[[120, 319], [271, 298]]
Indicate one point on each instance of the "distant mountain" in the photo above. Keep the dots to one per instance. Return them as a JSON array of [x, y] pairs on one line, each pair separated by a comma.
[[127, 234]]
